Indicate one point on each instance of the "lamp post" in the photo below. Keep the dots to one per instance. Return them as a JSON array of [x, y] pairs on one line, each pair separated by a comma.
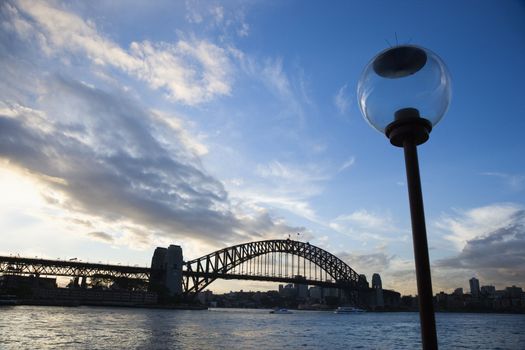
[[404, 92]]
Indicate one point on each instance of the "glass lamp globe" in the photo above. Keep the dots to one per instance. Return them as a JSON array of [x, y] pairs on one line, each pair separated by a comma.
[[401, 77]]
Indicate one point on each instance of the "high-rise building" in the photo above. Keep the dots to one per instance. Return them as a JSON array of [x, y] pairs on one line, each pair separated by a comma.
[[474, 287], [514, 292], [489, 291], [376, 281], [288, 291], [378, 287], [302, 288], [458, 292]]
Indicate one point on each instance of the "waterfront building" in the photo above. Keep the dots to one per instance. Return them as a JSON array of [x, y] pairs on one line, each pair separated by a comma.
[[377, 286], [391, 298], [376, 281], [514, 292], [287, 291], [27, 282], [489, 291], [474, 287], [302, 288], [205, 297], [330, 292], [316, 293]]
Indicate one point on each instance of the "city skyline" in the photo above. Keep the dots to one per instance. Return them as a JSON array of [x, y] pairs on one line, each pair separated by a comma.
[[124, 128]]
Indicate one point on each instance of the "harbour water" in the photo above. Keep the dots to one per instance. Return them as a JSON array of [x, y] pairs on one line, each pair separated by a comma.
[[32, 327]]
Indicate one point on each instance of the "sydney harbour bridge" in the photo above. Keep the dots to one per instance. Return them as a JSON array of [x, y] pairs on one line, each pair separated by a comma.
[[279, 260]]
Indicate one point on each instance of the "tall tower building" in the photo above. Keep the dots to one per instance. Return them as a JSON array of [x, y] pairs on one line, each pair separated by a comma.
[[474, 287], [376, 281], [378, 287]]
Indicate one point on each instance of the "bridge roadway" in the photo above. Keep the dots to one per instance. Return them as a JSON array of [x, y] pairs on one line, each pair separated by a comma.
[[68, 268], [276, 260], [233, 276], [49, 267]]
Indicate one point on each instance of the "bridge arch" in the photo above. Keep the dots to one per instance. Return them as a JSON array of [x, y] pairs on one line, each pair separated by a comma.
[[201, 272]]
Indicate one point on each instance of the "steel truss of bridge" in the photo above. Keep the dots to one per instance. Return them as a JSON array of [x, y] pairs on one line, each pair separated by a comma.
[[282, 260], [286, 261], [48, 267]]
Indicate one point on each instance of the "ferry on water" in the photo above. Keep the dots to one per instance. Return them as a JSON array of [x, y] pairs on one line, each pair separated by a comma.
[[281, 311], [348, 310]]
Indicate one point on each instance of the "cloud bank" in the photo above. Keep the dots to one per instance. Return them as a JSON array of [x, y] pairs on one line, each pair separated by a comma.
[[190, 71], [495, 257], [100, 153]]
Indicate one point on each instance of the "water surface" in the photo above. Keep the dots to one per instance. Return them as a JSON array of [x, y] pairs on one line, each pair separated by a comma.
[[32, 327]]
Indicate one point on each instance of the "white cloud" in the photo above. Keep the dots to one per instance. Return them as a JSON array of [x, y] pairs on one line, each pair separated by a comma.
[[347, 164], [341, 99], [280, 185], [305, 174], [227, 18], [367, 220], [190, 71], [285, 186], [218, 13], [271, 73], [244, 30], [193, 14], [102, 236], [396, 273], [496, 255], [103, 161], [466, 225], [98, 157], [274, 76], [291, 202], [319, 148], [513, 181], [177, 125], [365, 226]]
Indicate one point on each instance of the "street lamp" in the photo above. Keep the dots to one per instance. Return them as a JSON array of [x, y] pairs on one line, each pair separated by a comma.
[[404, 92]]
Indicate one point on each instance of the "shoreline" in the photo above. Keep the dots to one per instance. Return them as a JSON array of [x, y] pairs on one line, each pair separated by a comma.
[[73, 304]]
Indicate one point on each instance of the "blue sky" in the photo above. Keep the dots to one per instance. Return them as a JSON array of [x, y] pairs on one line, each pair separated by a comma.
[[127, 125]]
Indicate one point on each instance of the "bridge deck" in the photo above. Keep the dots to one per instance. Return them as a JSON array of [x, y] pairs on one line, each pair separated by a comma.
[[49, 267], [232, 276]]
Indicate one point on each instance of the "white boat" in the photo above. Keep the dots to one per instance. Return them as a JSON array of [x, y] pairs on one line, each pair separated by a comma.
[[281, 311], [348, 310]]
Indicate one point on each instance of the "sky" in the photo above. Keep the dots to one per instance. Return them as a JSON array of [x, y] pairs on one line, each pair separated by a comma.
[[127, 125]]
